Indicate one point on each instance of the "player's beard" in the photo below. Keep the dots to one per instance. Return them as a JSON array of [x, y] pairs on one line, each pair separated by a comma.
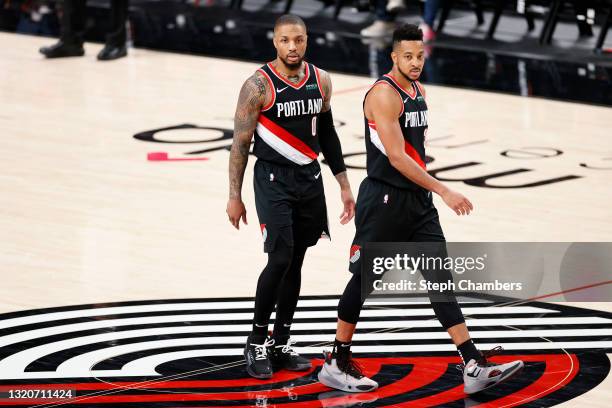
[[406, 76], [292, 65]]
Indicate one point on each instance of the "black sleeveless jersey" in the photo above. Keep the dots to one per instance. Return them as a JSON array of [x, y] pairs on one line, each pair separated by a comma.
[[412, 121], [287, 128]]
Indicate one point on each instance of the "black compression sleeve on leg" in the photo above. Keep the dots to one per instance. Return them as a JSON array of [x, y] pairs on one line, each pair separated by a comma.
[[448, 313], [350, 303], [444, 303], [330, 143], [288, 295], [268, 284]]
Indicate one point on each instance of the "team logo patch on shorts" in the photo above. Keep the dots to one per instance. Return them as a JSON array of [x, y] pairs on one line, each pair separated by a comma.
[[355, 253]]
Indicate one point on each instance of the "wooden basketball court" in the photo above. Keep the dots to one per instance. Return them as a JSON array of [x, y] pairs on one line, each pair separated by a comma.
[[87, 218]]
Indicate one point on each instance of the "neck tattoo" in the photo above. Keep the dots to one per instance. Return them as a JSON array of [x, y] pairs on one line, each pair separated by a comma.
[[295, 78]]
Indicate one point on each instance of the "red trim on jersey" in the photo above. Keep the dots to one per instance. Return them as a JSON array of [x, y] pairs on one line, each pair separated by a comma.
[[319, 81], [295, 86], [410, 151], [411, 95], [392, 87], [268, 106], [288, 138], [408, 148]]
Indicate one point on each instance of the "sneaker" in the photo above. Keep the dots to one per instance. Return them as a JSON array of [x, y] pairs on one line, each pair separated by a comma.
[[378, 29], [256, 356], [344, 375], [429, 34], [63, 49], [283, 356], [393, 6], [482, 374], [112, 52]]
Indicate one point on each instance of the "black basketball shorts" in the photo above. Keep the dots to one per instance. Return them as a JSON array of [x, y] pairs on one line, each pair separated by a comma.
[[290, 204], [388, 214]]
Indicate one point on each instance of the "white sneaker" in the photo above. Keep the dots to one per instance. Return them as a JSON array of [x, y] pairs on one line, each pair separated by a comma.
[[348, 377], [394, 6], [378, 29], [480, 375]]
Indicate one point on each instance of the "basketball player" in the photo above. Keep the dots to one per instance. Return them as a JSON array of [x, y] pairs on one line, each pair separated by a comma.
[[395, 204], [286, 104]]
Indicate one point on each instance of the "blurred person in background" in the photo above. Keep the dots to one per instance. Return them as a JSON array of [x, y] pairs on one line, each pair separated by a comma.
[[429, 17], [386, 12], [35, 17], [72, 22]]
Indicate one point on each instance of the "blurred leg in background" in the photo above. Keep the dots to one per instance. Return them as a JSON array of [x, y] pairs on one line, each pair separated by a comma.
[[116, 39], [583, 19], [72, 28], [384, 24], [429, 17], [72, 22]]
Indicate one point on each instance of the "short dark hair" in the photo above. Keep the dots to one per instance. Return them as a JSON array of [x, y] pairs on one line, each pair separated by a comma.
[[286, 19], [407, 32]]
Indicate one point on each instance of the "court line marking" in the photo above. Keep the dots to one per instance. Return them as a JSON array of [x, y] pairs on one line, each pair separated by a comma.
[[535, 397], [349, 90], [175, 306], [239, 362], [593, 285]]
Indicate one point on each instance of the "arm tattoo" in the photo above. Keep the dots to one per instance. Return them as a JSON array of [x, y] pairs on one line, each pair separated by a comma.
[[327, 90], [250, 102], [343, 180]]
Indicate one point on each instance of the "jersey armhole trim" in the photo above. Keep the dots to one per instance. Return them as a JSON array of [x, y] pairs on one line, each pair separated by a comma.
[[271, 104], [316, 70], [411, 95], [392, 87]]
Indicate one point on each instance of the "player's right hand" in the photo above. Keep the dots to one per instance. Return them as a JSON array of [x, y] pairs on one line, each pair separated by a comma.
[[457, 202], [235, 211]]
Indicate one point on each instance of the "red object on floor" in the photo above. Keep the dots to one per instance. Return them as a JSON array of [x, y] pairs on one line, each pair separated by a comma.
[[163, 156]]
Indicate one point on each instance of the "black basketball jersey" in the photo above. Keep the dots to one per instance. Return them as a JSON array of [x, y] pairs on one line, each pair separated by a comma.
[[412, 121], [287, 128]]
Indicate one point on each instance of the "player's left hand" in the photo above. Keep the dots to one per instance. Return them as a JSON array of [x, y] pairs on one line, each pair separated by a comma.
[[346, 195]]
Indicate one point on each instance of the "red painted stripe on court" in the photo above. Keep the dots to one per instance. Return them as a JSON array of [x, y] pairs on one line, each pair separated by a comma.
[[560, 370]]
